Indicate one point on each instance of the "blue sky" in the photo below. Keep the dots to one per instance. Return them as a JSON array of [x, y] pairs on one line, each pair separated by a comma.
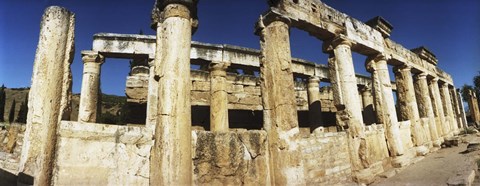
[[450, 29]]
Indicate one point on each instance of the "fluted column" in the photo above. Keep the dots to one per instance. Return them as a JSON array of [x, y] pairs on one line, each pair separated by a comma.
[[437, 107], [314, 105], [218, 97], [87, 110], [368, 106], [278, 97], [425, 108], [171, 157], [345, 98], [407, 103], [384, 102], [447, 102]]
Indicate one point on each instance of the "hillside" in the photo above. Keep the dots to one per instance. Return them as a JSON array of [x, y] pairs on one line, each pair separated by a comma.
[[111, 104]]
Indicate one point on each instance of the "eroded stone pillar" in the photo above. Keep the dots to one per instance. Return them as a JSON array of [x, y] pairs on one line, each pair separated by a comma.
[[87, 109], [48, 98], [448, 107], [436, 98], [473, 107], [407, 103], [368, 106], [425, 107], [171, 157], [456, 109], [278, 97], [384, 103], [314, 104], [345, 98], [462, 115], [218, 97]]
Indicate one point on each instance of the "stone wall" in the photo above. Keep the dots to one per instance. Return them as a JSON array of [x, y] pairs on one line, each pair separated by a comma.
[[97, 154], [231, 158], [326, 159]]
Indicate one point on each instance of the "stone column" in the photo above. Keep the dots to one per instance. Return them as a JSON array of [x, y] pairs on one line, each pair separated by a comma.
[[49, 96], [368, 106], [218, 97], [425, 107], [152, 99], [314, 104], [448, 107], [437, 107], [462, 115], [407, 103], [345, 98], [473, 107], [87, 110], [171, 157], [278, 97], [384, 103], [456, 109]]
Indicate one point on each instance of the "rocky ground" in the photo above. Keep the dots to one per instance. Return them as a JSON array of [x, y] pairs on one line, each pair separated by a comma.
[[447, 166]]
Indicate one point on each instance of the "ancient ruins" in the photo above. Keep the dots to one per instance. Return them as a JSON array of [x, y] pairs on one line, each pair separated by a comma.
[[244, 116]]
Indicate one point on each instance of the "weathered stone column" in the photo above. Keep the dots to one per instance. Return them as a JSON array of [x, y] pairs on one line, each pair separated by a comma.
[[368, 106], [314, 104], [437, 107], [218, 97], [473, 107], [49, 96], [345, 98], [462, 115], [407, 103], [87, 110], [152, 99], [456, 109], [448, 107], [278, 97], [384, 102], [425, 107], [171, 158]]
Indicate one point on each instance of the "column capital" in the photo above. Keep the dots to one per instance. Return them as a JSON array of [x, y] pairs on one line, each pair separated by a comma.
[[268, 18], [92, 57], [218, 68], [366, 88], [422, 75], [402, 68], [333, 43], [373, 60], [159, 13], [434, 80]]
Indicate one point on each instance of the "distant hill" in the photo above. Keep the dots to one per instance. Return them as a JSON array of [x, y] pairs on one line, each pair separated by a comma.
[[111, 104]]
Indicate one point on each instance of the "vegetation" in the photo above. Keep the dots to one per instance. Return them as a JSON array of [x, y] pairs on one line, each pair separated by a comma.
[[11, 115], [2, 103], [475, 88], [22, 113]]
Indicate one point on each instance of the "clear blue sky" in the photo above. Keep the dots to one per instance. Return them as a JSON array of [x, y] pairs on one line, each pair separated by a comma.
[[451, 29]]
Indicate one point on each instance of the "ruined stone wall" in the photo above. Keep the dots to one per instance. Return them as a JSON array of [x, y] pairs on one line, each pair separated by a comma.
[[97, 154], [326, 159], [11, 141], [231, 158]]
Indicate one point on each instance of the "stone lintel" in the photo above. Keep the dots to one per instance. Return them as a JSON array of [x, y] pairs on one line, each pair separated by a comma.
[[425, 54], [92, 57], [268, 17], [380, 24]]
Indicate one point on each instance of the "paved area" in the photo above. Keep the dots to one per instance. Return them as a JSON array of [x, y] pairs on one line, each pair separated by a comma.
[[437, 167]]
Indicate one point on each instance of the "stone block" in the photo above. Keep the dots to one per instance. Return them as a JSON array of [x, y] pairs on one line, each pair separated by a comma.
[[234, 88], [203, 86]]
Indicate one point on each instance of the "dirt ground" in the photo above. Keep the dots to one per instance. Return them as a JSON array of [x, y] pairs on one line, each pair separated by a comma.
[[437, 167]]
